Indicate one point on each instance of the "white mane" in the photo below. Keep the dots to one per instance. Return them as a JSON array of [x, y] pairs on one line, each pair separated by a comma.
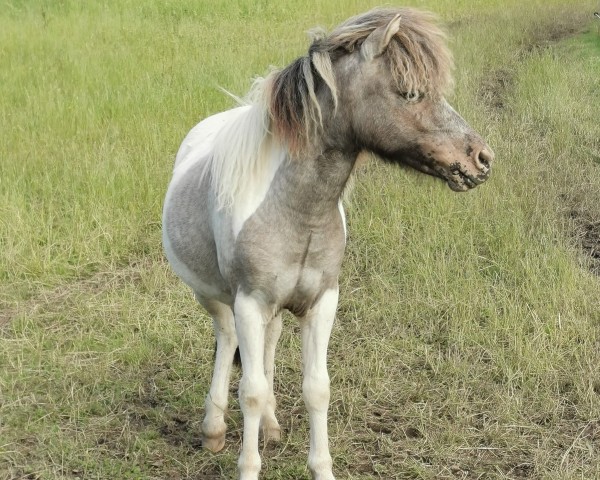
[[242, 151]]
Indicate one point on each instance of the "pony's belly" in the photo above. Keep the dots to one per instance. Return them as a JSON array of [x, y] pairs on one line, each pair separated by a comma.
[[201, 286]]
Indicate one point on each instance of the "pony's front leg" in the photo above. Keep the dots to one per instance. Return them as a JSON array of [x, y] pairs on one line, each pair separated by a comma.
[[250, 319], [269, 423], [213, 425], [316, 330]]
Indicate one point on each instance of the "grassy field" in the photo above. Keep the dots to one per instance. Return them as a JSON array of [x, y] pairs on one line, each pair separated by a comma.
[[467, 343]]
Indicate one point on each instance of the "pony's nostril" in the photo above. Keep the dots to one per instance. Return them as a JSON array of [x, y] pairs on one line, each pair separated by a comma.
[[485, 159]]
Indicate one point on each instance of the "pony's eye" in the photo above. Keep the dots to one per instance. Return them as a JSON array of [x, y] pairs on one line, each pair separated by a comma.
[[413, 96]]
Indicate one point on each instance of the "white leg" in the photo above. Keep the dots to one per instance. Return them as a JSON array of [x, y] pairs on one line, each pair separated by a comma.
[[213, 426], [269, 424], [250, 321], [316, 329]]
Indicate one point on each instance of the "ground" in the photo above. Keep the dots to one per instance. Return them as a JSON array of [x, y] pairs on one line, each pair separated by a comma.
[[466, 344]]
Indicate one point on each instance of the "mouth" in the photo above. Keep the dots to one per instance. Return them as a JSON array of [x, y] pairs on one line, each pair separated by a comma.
[[461, 181], [455, 174]]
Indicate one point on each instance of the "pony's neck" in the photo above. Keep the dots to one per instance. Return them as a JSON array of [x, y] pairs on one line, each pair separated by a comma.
[[315, 183]]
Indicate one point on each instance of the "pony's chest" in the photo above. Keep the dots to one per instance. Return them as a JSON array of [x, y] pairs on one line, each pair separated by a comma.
[[291, 263]]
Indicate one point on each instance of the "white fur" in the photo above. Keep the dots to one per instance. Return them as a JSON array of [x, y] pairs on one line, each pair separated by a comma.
[[316, 329], [199, 142], [343, 215], [250, 319], [238, 155], [195, 149], [268, 422], [257, 346], [213, 425]]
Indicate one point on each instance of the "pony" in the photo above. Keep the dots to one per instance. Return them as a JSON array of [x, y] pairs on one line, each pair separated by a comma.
[[253, 220]]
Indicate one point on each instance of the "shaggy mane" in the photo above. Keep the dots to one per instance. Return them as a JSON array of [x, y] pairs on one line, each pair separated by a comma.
[[418, 57]]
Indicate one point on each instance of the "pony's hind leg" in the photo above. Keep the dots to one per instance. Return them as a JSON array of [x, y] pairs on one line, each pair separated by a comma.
[[213, 425], [269, 424]]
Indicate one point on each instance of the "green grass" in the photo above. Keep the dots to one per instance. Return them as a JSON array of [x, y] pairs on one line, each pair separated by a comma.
[[467, 342]]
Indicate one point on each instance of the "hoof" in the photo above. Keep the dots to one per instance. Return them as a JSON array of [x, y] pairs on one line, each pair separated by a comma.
[[214, 444]]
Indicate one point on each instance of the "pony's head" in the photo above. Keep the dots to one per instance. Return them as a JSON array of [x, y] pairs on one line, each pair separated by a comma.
[[377, 83]]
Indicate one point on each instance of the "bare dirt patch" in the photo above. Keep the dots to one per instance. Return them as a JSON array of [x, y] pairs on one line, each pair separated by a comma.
[[544, 36], [152, 410], [495, 91], [587, 236], [496, 86]]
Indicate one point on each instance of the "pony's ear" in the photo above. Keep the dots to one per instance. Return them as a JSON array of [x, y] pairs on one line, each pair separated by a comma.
[[378, 40]]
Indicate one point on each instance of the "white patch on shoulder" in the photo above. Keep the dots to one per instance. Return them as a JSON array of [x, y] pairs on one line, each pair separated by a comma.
[[200, 146], [248, 203]]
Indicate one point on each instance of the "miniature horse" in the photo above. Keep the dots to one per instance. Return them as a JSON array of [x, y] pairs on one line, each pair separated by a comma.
[[253, 220]]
